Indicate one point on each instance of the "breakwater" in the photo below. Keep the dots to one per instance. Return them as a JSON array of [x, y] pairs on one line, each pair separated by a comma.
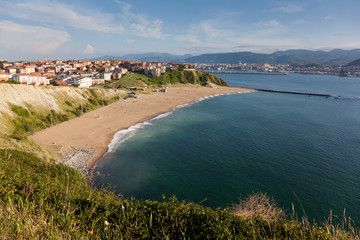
[[257, 73], [293, 92]]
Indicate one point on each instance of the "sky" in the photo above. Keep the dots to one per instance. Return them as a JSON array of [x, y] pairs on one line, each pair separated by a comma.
[[83, 29]]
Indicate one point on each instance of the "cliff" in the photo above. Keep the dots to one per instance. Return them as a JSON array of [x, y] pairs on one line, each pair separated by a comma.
[[25, 109]]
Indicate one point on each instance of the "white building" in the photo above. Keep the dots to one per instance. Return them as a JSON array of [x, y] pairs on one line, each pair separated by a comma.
[[30, 79], [84, 82], [106, 75], [109, 69], [155, 71], [79, 82]]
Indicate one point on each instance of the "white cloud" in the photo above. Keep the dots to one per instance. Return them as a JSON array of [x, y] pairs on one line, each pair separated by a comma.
[[60, 14], [266, 44], [89, 49], [290, 8], [140, 24], [210, 31], [187, 38], [30, 39], [270, 23], [328, 17]]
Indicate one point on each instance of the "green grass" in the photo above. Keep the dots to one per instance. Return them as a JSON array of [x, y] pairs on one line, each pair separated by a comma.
[[41, 200], [170, 77], [132, 80], [185, 77], [20, 111]]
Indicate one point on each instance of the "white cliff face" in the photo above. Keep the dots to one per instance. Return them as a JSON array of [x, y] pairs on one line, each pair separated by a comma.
[[42, 99]]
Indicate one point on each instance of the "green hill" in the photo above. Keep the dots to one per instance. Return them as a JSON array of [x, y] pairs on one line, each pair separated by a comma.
[[41, 200], [296, 56], [188, 76], [170, 77], [353, 63]]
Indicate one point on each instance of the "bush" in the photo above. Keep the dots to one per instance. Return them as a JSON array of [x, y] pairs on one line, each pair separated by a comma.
[[93, 101], [258, 204], [93, 93], [68, 103], [20, 111]]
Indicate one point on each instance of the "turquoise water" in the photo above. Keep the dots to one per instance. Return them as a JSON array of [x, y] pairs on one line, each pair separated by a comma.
[[298, 149]]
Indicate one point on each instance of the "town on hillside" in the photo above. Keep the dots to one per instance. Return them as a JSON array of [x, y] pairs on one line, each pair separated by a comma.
[[314, 68], [85, 73], [88, 73]]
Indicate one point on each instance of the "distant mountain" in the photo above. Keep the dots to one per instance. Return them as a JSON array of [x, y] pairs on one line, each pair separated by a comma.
[[156, 57], [353, 63], [106, 58], [232, 57], [148, 57], [299, 52], [294, 56]]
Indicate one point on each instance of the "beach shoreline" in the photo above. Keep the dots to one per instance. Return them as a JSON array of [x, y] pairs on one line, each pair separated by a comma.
[[82, 141]]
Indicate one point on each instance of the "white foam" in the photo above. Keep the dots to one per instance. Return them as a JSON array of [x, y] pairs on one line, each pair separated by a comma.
[[125, 134], [163, 115]]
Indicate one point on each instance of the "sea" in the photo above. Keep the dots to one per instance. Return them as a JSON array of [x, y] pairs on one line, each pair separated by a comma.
[[303, 151]]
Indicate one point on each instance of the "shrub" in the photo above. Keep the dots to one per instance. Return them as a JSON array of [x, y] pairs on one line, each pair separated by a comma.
[[68, 103], [258, 204], [20, 111], [93, 93], [93, 101]]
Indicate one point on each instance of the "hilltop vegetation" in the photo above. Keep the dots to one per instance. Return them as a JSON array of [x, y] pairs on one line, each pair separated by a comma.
[[170, 77], [46, 200]]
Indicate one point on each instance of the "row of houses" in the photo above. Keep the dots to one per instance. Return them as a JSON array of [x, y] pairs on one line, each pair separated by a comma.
[[29, 79], [77, 73]]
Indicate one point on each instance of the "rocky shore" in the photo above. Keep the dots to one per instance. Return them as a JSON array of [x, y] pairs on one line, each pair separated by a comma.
[[77, 158]]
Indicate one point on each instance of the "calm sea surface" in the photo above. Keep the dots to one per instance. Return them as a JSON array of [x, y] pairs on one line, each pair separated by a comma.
[[298, 149]]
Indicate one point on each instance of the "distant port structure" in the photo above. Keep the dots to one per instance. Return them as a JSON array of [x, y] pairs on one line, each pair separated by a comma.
[[258, 73]]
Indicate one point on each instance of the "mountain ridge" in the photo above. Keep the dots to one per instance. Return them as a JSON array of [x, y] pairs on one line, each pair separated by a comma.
[[292, 56], [149, 57], [353, 63], [333, 57]]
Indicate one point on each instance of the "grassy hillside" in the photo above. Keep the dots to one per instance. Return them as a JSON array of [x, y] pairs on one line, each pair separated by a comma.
[[170, 77], [192, 77], [51, 201]]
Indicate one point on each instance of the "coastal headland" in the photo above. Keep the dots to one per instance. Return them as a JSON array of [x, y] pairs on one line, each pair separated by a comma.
[[83, 140]]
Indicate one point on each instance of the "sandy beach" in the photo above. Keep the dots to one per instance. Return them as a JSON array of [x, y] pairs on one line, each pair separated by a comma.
[[83, 140]]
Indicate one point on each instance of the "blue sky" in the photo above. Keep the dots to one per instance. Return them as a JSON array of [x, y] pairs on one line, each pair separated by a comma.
[[77, 29]]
